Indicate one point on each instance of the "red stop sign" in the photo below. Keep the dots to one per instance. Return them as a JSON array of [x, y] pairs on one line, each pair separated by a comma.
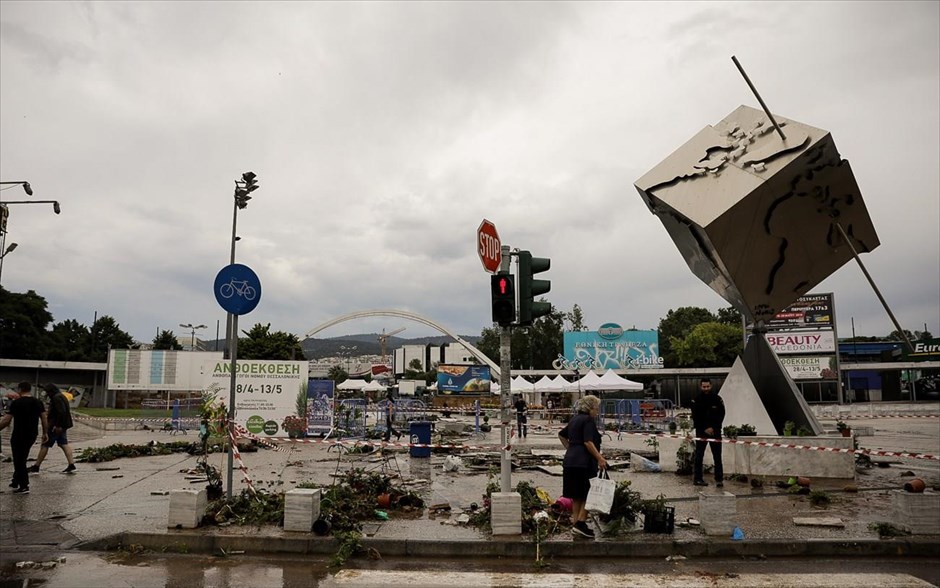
[[488, 246]]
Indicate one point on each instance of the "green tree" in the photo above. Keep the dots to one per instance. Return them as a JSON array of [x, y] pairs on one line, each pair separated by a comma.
[[261, 343], [337, 374], [533, 347], [23, 322], [710, 344], [69, 341], [729, 316], [166, 340], [106, 334], [575, 319], [677, 324]]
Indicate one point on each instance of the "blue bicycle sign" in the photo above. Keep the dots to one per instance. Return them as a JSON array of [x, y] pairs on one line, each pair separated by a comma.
[[237, 289]]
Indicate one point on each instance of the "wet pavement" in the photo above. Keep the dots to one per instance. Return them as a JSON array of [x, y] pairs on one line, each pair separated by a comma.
[[126, 500]]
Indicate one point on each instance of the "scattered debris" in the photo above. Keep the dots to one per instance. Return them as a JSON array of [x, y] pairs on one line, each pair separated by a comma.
[[907, 473], [818, 522], [676, 558], [160, 493], [463, 519]]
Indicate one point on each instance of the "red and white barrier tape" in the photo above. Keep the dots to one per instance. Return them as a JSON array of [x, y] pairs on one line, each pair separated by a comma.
[[772, 444], [244, 433], [241, 465]]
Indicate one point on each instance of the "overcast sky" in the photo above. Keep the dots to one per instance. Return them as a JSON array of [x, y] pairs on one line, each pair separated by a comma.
[[383, 133]]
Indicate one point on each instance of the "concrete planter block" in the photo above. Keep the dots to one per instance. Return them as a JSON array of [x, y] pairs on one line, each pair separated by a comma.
[[187, 507], [506, 513], [917, 513], [301, 509], [717, 513]]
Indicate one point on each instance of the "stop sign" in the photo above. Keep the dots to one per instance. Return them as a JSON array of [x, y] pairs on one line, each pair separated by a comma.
[[488, 246]]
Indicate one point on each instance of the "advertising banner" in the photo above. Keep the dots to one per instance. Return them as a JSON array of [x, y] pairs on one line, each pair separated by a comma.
[[610, 347], [320, 394], [463, 380], [810, 367], [809, 311], [924, 351], [158, 370], [806, 342], [265, 391]]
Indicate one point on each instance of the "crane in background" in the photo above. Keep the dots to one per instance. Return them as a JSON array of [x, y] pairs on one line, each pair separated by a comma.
[[383, 339]]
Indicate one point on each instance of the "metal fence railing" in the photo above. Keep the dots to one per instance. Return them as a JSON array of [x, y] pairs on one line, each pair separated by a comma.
[[178, 415]]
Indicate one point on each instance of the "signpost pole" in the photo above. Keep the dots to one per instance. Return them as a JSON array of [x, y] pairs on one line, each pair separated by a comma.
[[231, 407], [505, 349]]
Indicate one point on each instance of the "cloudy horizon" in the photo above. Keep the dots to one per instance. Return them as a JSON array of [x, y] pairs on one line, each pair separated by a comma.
[[383, 133]]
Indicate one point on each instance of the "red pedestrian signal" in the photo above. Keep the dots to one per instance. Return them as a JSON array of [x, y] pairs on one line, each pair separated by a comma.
[[503, 295]]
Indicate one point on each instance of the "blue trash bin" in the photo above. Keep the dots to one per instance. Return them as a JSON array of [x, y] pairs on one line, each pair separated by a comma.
[[420, 432]]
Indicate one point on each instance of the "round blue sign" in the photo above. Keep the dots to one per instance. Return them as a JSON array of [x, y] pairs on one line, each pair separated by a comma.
[[237, 289]]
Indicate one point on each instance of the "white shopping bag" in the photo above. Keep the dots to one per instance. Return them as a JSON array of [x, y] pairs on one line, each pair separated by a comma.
[[601, 495]]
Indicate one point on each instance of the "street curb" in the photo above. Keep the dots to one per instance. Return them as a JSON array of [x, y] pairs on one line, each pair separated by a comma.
[[189, 542]]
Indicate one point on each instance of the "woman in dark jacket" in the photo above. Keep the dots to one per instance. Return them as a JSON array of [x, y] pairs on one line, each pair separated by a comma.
[[582, 460]]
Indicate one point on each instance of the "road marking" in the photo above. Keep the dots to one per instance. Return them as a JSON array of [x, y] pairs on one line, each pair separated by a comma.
[[418, 579]]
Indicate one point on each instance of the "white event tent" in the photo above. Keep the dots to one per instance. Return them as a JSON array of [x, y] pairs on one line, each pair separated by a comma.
[[611, 381]]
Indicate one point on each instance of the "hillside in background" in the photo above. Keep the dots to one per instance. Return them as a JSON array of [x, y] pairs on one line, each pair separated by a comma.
[[365, 344]]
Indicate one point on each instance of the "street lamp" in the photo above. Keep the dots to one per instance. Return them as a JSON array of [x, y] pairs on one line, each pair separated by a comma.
[[243, 190], [26, 186], [55, 203], [4, 254], [346, 352], [192, 344]]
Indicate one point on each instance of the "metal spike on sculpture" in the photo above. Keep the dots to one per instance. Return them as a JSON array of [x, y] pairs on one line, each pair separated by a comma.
[[760, 208]]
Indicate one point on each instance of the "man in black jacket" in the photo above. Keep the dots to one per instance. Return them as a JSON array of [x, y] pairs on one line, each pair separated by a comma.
[[708, 412], [60, 420]]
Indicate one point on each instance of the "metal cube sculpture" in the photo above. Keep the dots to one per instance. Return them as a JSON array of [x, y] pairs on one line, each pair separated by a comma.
[[754, 215]]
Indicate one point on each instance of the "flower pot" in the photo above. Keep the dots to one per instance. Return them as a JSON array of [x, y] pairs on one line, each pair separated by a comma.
[[322, 526], [384, 500], [847, 432], [916, 485]]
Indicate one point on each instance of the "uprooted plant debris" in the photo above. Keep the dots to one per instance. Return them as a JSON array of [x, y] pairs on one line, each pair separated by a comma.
[[119, 450], [351, 501]]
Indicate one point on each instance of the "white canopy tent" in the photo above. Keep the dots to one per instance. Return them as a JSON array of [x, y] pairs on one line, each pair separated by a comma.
[[356, 385], [588, 382], [611, 381], [373, 386]]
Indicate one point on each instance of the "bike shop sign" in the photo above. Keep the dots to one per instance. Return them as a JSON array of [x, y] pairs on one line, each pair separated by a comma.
[[265, 391]]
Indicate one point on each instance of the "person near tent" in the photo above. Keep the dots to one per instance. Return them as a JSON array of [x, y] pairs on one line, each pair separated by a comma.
[[389, 417], [522, 418]]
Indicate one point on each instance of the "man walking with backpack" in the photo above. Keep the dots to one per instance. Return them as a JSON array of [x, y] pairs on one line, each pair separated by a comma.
[[60, 421]]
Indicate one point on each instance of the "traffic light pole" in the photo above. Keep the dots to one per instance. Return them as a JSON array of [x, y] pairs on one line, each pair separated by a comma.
[[505, 349], [505, 464]]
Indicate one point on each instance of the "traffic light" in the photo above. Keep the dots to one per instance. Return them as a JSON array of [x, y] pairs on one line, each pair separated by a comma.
[[244, 189], [503, 289], [529, 288]]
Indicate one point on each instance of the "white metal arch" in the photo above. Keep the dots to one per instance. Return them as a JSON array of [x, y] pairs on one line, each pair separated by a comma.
[[413, 317]]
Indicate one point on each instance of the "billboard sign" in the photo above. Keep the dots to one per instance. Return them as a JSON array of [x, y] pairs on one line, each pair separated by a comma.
[[158, 370], [320, 395], [812, 311], [265, 391], [463, 380], [928, 350], [612, 347], [802, 342], [810, 367]]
